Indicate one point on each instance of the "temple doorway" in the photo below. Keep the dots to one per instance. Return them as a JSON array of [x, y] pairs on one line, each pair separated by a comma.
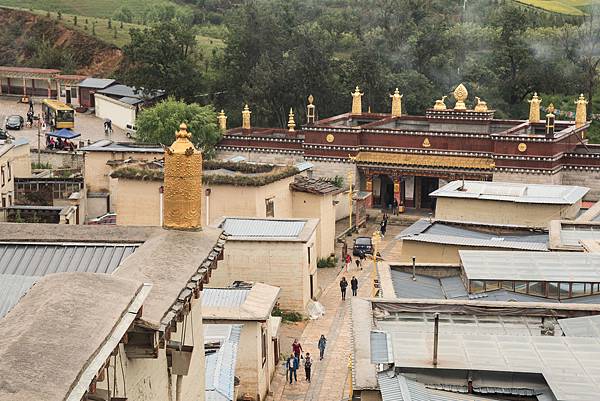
[[423, 187], [383, 191]]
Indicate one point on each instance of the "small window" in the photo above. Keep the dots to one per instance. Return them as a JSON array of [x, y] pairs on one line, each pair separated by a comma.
[[3, 201], [264, 345], [270, 207], [309, 255], [9, 171], [3, 178]]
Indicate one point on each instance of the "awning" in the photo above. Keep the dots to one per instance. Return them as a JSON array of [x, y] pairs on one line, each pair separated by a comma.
[[64, 134], [406, 159]]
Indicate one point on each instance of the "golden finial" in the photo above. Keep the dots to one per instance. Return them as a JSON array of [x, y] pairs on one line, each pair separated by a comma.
[[291, 122], [550, 108], [310, 110], [222, 118], [246, 117], [581, 111], [460, 94], [481, 106], [182, 183], [396, 103], [356, 101], [534, 108], [439, 104]]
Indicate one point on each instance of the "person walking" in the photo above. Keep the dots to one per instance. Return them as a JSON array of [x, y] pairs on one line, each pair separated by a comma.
[[343, 286], [357, 260], [307, 366], [292, 365], [297, 348], [348, 261], [395, 207], [383, 228], [354, 285], [322, 344]]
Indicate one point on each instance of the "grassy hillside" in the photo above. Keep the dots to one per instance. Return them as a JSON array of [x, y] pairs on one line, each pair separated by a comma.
[[568, 7], [90, 8]]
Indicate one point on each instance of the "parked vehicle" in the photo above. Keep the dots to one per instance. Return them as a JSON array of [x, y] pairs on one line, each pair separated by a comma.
[[5, 136], [14, 122], [362, 246], [108, 218], [58, 114]]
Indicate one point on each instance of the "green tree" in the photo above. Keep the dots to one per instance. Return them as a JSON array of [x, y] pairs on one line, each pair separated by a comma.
[[161, 58], [159, 123]]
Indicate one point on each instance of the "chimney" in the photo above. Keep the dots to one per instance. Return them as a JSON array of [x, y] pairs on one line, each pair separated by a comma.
[[310, 110], [436, 324], [182, 184], [550, 117]]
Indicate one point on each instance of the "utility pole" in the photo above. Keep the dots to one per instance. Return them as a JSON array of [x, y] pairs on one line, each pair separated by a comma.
[[39, 122], [350, 182]]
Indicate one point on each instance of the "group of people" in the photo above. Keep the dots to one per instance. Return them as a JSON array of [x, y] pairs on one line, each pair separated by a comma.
[[51, 143], [358, 260], [353, 286], [293, 362]]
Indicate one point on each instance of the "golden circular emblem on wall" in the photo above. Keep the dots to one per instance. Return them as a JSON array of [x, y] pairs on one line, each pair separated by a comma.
[[330, 138], [522, 147]]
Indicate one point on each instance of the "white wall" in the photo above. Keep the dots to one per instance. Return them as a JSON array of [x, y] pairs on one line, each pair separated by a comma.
[[119, 113]]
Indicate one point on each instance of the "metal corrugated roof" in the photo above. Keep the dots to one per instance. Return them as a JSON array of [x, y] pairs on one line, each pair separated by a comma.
[[573, 236], [39, 259], [445, 233], [380, 353], [512, 192], [224, 297], [96, 83], [585, 326], [425, 287], [262, 227], [220, 365], [12, 288], [531, 266]]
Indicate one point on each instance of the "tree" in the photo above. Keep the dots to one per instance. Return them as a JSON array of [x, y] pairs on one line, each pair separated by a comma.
[[161, 58], [159, 123]]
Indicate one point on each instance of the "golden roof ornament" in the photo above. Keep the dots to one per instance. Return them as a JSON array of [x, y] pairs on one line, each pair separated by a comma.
[[222, 119], [440, 104], [534, 108], [581, 111], [246, 117], [291, 122], [357, 101], [310, 110], [182, 183], [550, 109], [481, 105], [460, 94], [396, 103]]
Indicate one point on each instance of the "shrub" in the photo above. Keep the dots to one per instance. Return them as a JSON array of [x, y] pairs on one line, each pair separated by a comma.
[[288, 316], [331, 261]]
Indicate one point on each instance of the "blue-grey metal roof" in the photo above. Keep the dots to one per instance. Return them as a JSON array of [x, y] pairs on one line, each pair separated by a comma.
[[240, 227], [224, 297], [425, 287], [96, 83], [131, 100], [531, 266], [447, 233], [302, 166], [39, 259], [397, 387], [220, 365], [12, 288], [380, 352], [584, 326], [106, 145], [512, 192]]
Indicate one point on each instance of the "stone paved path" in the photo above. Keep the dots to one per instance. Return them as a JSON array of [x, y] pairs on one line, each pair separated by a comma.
[[330, 377]]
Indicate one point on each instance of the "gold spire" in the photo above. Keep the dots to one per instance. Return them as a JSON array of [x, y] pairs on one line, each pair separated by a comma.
[[460, 94], [581, 111], [481, 106], [246, 117], [439, 104], [291, 122], [310, 110], [534, 108], [182, 183], [396, 103], [357, 101], [222, 118], [550, 117]]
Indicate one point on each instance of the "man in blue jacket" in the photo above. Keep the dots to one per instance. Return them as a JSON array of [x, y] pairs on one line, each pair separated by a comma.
[[292, 364]]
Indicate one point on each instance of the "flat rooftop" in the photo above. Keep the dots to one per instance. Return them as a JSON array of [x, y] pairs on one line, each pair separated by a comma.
[[531, 266], [512, 192], [268, 229], [452, 233], [233, 303], [105, 145]]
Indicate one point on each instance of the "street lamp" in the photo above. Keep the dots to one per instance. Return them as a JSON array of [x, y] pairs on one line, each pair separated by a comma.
[[375, 240]]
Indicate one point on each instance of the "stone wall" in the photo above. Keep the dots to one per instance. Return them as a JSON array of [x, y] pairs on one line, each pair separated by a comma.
[[331, 169], [261, 157], [59, 159], [590, 179], [528, 178]]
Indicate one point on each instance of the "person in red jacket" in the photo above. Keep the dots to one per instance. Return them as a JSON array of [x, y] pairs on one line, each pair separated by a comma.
[[348, 261], [297, 348]]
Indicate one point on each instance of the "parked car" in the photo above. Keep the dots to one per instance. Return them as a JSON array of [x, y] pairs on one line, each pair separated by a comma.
[[108, 218], [14, 122], [362, 246]]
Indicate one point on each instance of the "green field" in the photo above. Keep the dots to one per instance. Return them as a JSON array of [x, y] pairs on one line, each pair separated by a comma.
[[568, 7], [90, 8]]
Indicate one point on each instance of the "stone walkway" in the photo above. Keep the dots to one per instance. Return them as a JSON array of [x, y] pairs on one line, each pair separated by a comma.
[[330, 377]]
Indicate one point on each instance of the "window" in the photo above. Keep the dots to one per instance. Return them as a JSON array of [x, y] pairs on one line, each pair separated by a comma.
[[270, 207], [10, 202], [2, 172], [264, 345], [309, 255], [9, 171], [3, 201]]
